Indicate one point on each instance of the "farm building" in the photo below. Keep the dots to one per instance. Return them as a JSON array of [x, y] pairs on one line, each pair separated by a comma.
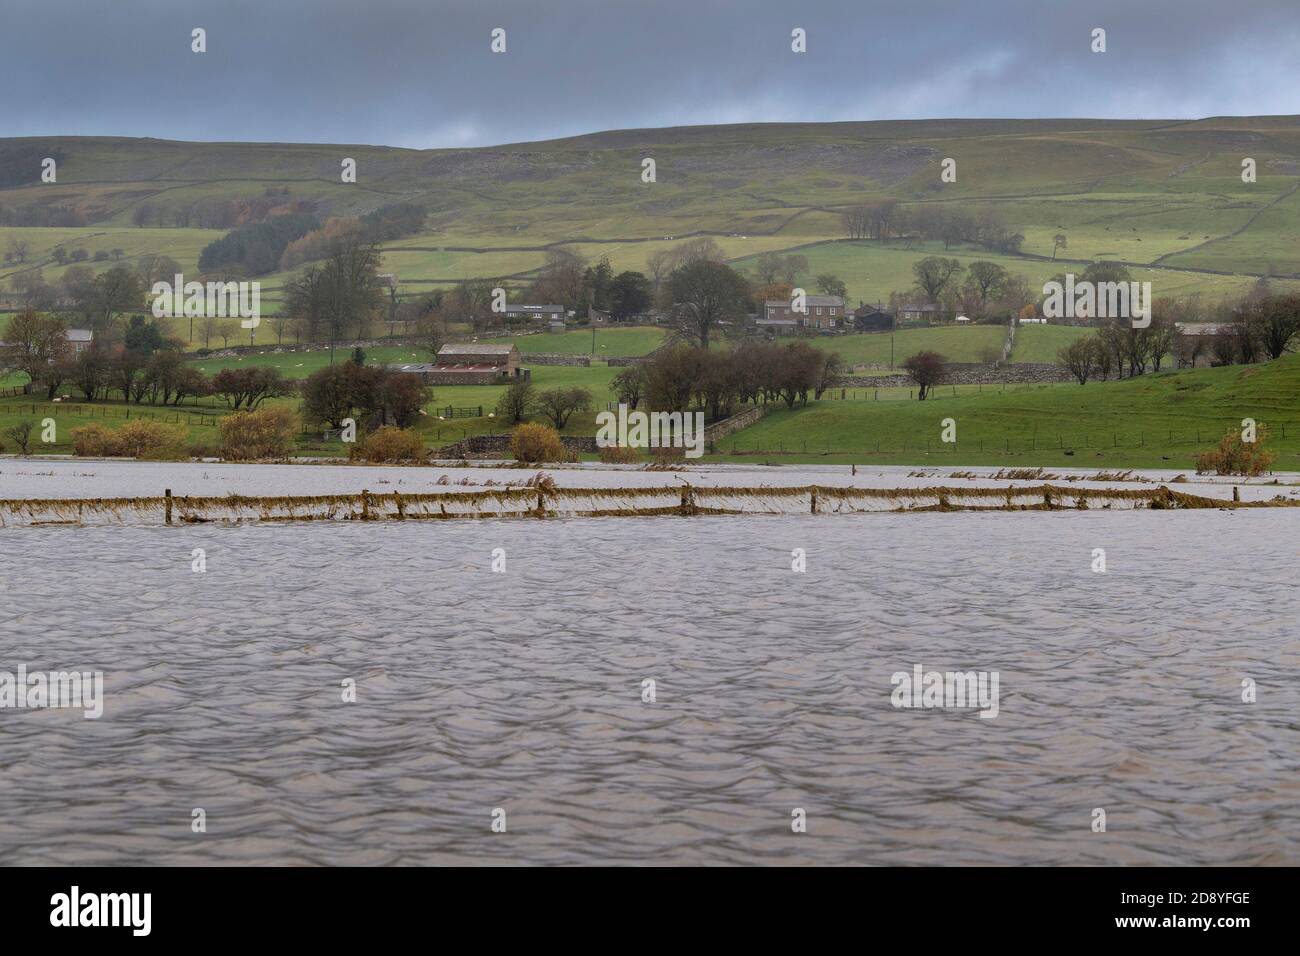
[[872, 318], [469, 364], [78, 340], [473, 363], [536, 313], [823, 312], [775, 326], [920, 314]]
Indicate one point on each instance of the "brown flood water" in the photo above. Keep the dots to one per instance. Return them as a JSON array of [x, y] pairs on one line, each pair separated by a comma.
[[522, 691]]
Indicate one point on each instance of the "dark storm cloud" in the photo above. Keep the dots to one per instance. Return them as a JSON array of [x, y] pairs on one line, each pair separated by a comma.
[[419, 72]]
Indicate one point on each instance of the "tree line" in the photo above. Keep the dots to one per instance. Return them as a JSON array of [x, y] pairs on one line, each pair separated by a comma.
[[1263, 326], [887, 219]]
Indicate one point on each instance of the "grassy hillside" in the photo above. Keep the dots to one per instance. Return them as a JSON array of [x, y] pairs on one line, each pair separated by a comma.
[[1152, 421], [1041, 343], [1157, 193]]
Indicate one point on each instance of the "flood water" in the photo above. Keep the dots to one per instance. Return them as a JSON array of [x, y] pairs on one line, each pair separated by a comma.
[[522, 691]]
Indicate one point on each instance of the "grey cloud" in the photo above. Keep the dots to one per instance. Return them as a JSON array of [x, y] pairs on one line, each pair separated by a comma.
[[419, 73]]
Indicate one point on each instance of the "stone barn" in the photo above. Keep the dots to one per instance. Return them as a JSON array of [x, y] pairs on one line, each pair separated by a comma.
[[473, 363]]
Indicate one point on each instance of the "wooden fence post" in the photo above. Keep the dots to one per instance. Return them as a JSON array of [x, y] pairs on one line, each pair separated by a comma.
[[167, 495]]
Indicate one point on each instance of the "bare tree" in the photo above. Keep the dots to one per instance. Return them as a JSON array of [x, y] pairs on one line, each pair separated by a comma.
[[560, 404], [934, 274], [855, 221], [704, 293], [926, 369], [1080, 357], [629, 385], [21, 434], [515, 401]]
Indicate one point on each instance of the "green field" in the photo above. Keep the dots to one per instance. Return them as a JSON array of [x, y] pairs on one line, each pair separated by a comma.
[[1154, 421], [956, 344], [1041, 343], [436, 430]]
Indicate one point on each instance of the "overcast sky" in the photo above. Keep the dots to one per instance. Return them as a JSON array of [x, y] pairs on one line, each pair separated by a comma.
[[420, 72]]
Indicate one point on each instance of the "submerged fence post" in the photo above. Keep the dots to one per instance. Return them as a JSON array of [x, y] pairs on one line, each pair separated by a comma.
[[365, 505], [814, 499], [167, 498]]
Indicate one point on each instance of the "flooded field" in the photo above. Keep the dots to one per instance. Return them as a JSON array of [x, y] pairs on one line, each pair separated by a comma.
[[522, 691], [49, 478]]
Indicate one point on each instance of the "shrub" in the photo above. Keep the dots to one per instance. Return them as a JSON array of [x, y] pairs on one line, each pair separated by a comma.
[[139, 439], [91, 441], [21, 434], [533, 442], [265, 433], [1236, 457], [669, 455], [390, 444], [142, 439], [619, 455]]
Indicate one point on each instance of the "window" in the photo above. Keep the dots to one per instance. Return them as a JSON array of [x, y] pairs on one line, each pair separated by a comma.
[[819, 310]]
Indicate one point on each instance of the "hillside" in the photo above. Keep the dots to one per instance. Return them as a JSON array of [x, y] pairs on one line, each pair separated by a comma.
[[1163, 195]]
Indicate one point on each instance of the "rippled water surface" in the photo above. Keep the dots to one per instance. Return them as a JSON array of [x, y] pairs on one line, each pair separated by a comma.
[[522, 690]]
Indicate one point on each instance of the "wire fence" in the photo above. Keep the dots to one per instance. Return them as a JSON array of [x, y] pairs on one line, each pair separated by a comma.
[[176, 416], [538, 500]]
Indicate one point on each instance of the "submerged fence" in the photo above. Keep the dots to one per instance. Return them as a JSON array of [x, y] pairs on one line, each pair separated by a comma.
[[548, 501]]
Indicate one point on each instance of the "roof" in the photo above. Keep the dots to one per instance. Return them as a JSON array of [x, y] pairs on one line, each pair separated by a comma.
[[411, 367], [473, 348], [822, 300], [534, 308], [80, 335], [927, 307]]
